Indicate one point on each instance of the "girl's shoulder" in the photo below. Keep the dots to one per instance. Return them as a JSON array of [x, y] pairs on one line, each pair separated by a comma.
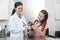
[[37, 23]]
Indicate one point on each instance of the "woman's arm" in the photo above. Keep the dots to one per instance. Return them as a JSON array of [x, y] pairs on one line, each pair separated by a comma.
[[42, 33]]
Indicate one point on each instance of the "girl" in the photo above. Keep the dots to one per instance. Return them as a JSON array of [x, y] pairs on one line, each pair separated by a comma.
[[40, 25]]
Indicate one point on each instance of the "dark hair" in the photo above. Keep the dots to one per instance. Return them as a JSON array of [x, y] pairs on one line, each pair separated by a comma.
[[15, 5], [43, 22]]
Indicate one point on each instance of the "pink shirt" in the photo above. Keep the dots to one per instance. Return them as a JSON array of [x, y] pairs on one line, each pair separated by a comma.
[[40, 27]]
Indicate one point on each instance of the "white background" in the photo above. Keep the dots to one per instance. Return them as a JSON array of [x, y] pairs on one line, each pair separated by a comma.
[[4, 10], [57, 9]]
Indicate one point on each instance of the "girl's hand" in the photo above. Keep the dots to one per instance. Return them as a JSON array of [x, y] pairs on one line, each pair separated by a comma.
[[28, 27], [34, 27]]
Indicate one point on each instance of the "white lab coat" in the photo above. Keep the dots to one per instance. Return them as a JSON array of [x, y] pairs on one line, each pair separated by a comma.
[[15, 23]]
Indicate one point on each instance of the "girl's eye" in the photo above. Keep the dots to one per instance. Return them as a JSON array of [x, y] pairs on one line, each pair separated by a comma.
[[41, 16], [19, 8]]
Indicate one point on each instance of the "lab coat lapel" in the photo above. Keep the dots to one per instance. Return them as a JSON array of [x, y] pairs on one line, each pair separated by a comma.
[[18, 20]]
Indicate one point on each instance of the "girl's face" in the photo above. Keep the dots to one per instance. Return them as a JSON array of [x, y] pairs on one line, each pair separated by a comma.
[[19, 9], [41, 16]]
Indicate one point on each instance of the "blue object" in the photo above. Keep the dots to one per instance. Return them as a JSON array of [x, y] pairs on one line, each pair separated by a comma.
[[15, 31]]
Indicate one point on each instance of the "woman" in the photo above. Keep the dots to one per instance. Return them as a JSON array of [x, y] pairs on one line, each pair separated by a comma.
[[17, 21]]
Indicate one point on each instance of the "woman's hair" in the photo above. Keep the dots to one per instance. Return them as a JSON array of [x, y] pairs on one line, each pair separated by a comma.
[[15, 6], [44, 21]]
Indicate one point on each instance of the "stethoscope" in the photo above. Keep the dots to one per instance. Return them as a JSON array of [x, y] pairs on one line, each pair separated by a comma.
[[20, 16]]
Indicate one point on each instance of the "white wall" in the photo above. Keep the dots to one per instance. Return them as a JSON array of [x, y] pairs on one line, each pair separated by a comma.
[[10, 7], [4, 10], [52, 23]]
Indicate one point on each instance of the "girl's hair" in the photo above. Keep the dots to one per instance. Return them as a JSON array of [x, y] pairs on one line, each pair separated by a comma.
[[44, 22], [15, 6]]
